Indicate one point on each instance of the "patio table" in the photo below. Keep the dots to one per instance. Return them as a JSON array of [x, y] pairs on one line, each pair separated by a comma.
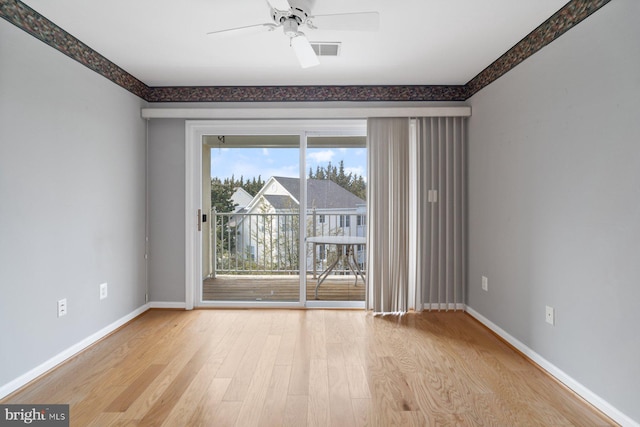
[[345, 249]]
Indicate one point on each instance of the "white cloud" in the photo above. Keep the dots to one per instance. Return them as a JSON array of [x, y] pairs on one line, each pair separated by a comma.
[[265, 151], [321, 156]]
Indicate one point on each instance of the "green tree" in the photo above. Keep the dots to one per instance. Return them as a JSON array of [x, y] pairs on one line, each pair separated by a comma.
[[358, 187], [351, 182], [221, 195], [252, 187], [225, 234], [342, 179]]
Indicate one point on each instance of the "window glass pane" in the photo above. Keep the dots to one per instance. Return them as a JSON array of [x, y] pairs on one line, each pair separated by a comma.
[[336, 195]]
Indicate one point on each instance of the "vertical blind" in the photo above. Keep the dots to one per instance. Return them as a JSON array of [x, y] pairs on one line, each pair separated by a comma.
[[441, 211], [417, 250], [388, 198]]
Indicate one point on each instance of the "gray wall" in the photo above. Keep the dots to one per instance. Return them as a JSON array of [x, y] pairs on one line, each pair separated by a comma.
[[166, 210], [72, 202], [554, 203]]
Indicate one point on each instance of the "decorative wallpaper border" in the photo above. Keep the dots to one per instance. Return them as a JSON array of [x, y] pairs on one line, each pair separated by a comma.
[[560, 22], [306, 93], [43, 29], [27, 19]]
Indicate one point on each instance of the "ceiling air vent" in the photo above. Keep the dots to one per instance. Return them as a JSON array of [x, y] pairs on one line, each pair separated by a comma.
[[326, 48]]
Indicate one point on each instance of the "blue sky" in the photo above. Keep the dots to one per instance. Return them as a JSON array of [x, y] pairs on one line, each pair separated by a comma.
[[267, 162]]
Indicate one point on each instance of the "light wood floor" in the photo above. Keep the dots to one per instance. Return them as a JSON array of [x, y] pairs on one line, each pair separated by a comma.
[[281, 288], [296, 368]]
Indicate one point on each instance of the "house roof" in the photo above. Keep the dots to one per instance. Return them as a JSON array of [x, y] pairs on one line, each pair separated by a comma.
[[321, 193], [280, 202], [241, 198]]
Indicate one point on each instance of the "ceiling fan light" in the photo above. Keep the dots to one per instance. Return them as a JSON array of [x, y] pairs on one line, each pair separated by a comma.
[[303, 50]]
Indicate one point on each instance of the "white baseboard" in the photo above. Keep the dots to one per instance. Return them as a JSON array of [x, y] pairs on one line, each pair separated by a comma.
[[556, 372], [167, 304], [15, 384]]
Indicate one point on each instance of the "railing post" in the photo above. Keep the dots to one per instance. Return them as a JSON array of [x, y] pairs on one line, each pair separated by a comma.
[[315, 245], [213, 242]]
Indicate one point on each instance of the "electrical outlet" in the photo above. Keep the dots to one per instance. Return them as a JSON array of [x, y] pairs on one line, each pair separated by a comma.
[[550, 315], [485, 284], [62, 307], [103, 291]]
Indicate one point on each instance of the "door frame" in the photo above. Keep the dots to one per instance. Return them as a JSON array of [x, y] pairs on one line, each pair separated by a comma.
[[194, 132]]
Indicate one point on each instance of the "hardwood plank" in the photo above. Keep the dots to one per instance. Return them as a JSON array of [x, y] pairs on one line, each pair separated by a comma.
[[109, 419], [257, 392], [247, 365], [135, 388], [226, 414], [299, 384], [362, 411], [317, 332], [318, 410], [274, 408], [244, 366], [296, 411], [357, 380], [141, 405], [230, 329], [236, 350], [340, 407], [158, 413], [187, 403], [286, 351], [93, 405], [205, 410]]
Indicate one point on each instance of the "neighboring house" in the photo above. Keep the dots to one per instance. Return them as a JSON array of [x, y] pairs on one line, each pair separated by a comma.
[[241, 198], [268, 228]]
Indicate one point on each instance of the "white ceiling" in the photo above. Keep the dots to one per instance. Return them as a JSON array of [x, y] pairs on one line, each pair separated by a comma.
[[420, 42]]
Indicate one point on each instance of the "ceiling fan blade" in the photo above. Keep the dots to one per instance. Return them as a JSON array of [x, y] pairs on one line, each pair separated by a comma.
[[306, 56], [243, 31], [281, 5], [364, 21]]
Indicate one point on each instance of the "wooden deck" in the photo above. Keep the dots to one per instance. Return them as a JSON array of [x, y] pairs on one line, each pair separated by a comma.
[[280, 288]]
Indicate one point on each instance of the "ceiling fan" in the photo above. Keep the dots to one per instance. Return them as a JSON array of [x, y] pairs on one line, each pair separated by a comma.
[[293, 14]]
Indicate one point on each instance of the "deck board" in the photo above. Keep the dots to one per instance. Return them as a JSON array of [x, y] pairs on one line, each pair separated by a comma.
[[280, 288]]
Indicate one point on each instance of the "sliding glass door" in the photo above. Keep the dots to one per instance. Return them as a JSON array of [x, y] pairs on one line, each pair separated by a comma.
[[336, 220], [274, 197], [250, 249]]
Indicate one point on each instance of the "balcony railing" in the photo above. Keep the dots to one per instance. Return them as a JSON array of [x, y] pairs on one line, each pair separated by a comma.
[[268, 243]]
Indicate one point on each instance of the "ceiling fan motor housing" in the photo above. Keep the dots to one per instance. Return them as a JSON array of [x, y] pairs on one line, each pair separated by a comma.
[[298, 12]]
